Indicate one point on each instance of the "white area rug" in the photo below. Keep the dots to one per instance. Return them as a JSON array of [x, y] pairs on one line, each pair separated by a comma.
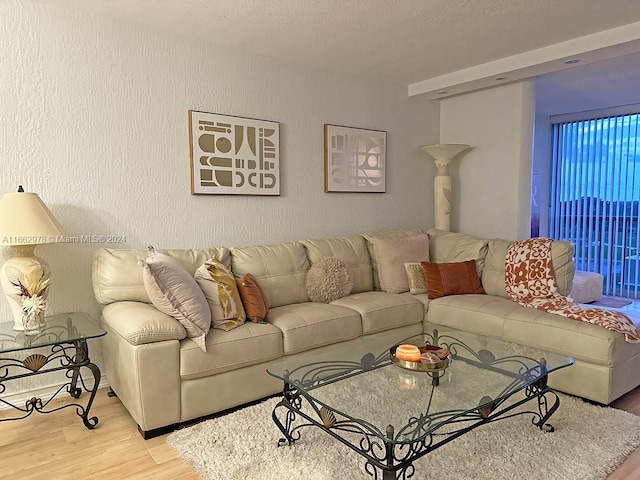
[[589, 442]]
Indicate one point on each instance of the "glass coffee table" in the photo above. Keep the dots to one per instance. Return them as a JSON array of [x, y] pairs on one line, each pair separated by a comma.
[[392, 414]]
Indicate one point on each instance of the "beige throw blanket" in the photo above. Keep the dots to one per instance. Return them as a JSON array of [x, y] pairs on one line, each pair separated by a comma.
[[530, 282]]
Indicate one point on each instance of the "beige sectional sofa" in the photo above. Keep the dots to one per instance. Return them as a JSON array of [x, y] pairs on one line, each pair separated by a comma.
[[163, 378]]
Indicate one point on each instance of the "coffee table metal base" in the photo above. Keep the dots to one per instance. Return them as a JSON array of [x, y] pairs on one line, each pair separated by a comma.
[[386, 457]]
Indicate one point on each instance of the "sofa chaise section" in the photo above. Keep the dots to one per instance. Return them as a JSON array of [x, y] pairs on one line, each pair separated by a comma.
[[606, 366]]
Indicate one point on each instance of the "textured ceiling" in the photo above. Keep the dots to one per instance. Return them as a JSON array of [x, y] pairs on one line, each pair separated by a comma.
[[405, 41]]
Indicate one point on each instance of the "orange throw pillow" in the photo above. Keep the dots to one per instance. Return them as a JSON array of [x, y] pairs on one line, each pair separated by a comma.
[[253, 298], [456, 278]]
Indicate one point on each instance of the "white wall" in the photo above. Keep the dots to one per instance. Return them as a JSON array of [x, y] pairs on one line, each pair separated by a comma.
[[94, 119], [491, 182], [542, 153]]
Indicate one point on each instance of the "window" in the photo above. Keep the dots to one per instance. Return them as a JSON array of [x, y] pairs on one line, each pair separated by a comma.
[[595, 192]]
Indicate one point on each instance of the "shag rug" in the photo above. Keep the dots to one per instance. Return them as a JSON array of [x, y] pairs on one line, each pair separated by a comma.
[[588, 443]]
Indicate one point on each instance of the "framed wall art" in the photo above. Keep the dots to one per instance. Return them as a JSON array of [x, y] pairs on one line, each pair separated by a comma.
[[233, 155], [354, 159]]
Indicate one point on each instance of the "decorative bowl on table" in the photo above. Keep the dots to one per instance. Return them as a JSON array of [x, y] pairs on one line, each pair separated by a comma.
[[427, 358]]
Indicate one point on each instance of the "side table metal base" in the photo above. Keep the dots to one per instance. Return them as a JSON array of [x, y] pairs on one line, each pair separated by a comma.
[[68, 356]]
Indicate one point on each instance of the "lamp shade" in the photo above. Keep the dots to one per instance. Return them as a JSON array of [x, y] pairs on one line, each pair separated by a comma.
[[444, 151], [26, 220]]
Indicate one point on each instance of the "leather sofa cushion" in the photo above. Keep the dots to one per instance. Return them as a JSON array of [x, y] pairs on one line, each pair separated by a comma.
[[139, 323], [351, 250], [388, 235], [280, 270], [383, 311], [246, 345], [456, 247], [309, 325], [117, 275], [503, 318], [493, 274]]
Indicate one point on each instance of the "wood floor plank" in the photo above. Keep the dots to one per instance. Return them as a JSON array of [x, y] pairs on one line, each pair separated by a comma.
[[58, 446]]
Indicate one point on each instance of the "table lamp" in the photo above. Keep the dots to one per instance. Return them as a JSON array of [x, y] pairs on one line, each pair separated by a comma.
[[25, 221]]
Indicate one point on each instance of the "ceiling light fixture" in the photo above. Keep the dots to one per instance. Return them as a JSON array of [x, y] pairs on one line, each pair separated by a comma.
[[572, 61]]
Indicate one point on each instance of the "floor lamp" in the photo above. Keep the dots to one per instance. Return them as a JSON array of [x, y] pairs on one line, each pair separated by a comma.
[[443, 154]]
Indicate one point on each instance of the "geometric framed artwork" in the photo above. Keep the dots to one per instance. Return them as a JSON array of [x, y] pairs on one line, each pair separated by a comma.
[[354, 159], [233, 155]]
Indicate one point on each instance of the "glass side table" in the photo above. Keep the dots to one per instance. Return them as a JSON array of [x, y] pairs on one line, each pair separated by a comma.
[[65, 339]]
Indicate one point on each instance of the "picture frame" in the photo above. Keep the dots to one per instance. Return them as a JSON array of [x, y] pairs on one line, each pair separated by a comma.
[[233, 155], [354, 159]]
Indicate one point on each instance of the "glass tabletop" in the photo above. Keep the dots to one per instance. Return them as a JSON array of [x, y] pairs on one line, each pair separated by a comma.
[[66, 327], [361, 383]]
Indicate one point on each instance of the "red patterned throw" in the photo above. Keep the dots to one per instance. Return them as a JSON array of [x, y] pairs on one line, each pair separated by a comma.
[[530, 282]]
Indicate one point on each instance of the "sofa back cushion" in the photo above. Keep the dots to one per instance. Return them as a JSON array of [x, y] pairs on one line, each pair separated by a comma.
[[448, 247], [493, 275], [370, 248], [116, 275], [351, 250], [280, 270]]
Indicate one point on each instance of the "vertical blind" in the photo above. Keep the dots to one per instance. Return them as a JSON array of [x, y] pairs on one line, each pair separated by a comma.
[[595, 192]]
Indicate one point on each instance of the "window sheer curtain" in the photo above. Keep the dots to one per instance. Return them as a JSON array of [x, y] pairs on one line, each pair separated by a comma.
[[595, 192]]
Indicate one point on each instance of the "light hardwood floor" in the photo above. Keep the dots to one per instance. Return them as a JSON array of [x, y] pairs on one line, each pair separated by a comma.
[[58, 446]]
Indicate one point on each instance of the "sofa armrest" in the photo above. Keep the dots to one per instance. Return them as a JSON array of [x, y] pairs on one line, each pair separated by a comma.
[[139, 323]]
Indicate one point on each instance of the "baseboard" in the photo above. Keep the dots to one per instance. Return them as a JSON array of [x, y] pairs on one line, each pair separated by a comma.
[[20, 398]]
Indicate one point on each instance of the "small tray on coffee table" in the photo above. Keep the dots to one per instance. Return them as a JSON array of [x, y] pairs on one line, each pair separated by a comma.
[[419, 366]]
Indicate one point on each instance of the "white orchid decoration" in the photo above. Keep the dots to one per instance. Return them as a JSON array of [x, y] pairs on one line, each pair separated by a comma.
[[33, 289], [33, 305]]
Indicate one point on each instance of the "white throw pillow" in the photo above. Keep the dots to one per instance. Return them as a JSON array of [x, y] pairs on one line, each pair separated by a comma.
[[219, 287], [173, 291], [391, 255]]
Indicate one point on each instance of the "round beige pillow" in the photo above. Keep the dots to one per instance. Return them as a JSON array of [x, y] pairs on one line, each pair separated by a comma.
[[329, 279]]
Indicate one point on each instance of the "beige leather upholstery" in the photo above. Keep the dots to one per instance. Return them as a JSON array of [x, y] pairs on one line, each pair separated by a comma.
[[117, 275], [163, 378], [595, 349], [309, 325], [139, 323], [493, 274], [280, 270], [205, 395], [382, 311], [456, 247], [351, 250], [249, 344], [145, 377]]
